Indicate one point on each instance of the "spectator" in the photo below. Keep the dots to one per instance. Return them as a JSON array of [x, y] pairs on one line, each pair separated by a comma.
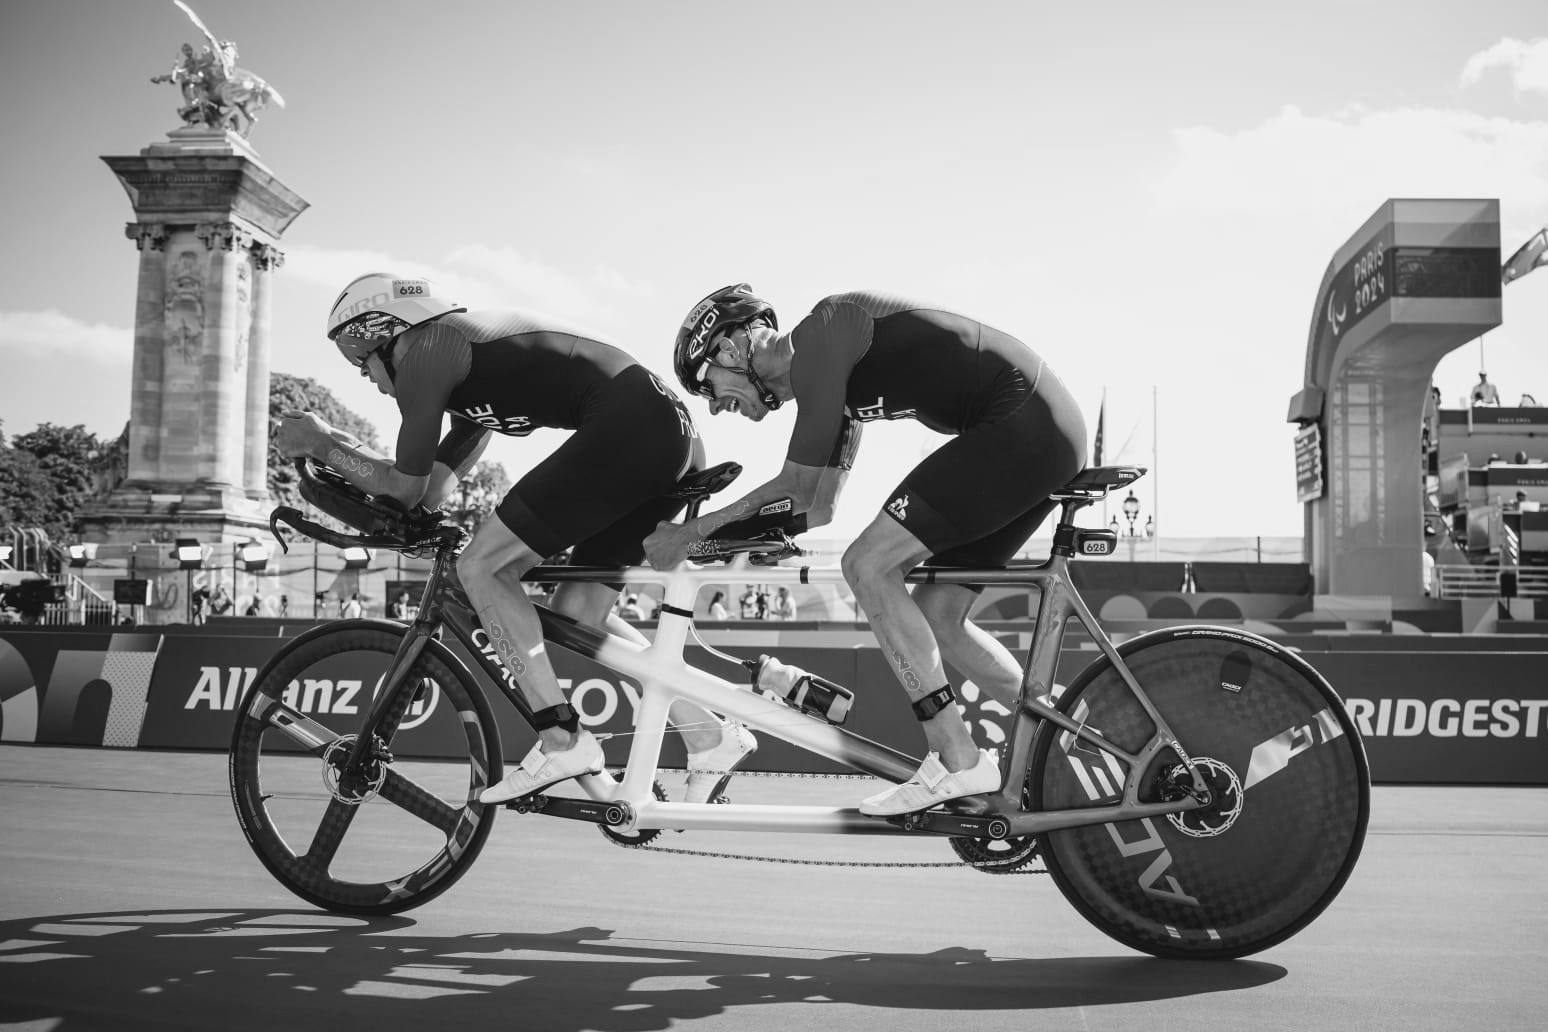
[[717, 607], [1527, 401], [401, 606], [252, 607], [784, 605], [761, 603], [1484, 392], [630, 610], [748, 604], [1521, 458], [352, 609], [284, 606], [220, 602], [201, 598]]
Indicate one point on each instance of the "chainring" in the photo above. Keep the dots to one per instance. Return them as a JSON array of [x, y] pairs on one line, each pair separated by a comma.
[[634, 838]]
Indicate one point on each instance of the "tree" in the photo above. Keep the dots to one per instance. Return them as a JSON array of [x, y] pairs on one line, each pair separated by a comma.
[[25, 491], [67, 458], [298, 394], [478, 493]]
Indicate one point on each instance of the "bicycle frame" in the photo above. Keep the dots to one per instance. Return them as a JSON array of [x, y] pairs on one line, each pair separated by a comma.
[[664, 676]]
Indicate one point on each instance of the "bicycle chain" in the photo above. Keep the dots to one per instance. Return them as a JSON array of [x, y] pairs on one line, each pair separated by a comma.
[[647, 847]]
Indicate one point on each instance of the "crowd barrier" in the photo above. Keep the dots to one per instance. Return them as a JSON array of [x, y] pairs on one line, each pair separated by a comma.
[[1433, 710]]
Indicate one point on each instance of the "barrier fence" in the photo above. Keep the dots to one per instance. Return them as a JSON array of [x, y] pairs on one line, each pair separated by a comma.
[[1432, 710]]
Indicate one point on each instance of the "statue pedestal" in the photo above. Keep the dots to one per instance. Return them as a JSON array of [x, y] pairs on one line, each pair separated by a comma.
[[208, 217]]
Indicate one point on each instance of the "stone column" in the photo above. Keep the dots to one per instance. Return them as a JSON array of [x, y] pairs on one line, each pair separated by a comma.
[[208, 216], [266, 258], [144, 464], [223, 386]]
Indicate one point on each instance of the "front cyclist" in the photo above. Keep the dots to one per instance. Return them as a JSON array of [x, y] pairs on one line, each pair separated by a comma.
[[601, 491], [1017, 436]]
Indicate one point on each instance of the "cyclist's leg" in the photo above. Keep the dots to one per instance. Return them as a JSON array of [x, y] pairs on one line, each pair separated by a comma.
[[635, 446], [490, 569], [978, 489], [875, 565], [971, 649]]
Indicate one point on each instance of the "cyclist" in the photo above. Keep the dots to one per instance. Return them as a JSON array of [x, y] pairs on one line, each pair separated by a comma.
[[601, 491], [1017, 436]]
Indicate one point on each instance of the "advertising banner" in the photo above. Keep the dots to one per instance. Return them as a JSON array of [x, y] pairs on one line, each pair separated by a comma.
[[1429, 712]]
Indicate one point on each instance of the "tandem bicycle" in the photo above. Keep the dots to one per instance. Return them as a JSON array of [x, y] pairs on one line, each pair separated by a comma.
[[1194, 792]]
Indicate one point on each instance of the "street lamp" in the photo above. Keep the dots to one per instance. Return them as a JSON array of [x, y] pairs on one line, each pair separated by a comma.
[[190, 557], [80, 555], [1131, 511], [6, 552], [254, 557], [355, 557]]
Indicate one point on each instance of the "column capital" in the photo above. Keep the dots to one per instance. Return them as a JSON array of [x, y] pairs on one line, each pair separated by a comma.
[[267, 257], [228, 235], [146, 234]]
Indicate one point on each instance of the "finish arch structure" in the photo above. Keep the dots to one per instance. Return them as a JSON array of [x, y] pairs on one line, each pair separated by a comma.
[[1418, 280]]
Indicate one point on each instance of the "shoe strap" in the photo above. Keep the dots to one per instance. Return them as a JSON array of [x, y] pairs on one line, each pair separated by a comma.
[[534, 760], [931, 772]]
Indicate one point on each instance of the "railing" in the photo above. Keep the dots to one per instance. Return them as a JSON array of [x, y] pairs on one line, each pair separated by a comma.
[[1492, 581]]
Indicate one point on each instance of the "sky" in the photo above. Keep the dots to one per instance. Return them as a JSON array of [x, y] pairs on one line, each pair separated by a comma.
[[1147, 194]]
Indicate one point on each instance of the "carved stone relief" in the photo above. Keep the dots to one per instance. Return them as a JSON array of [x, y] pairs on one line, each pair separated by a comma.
[[184, 309]]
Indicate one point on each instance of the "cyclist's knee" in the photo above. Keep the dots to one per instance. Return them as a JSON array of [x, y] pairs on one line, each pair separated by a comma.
[[493, 553]]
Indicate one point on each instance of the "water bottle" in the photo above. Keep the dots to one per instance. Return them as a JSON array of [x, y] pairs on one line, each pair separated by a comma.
[[805, 691]]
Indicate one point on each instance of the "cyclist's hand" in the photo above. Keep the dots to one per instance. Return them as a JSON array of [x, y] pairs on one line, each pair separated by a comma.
[[667, 545], [300, 434]]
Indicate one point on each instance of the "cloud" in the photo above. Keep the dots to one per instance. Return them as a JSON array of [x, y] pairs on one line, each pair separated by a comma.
[[1356, 158], [52, 334], [487, 276], [1526, 62]]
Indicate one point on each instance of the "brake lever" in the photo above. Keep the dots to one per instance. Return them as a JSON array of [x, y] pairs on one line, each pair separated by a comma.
[[274, 521]]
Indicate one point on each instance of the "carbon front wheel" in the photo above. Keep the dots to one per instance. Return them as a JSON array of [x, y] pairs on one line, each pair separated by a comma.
[[394, 834], [1288, 783]]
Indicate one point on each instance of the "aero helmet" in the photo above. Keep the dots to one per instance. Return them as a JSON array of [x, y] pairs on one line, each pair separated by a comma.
[[724, 310], [377, 307]]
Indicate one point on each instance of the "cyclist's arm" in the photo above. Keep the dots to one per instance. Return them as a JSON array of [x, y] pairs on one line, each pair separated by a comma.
[[430, 363], [825, 438], [458, 452]]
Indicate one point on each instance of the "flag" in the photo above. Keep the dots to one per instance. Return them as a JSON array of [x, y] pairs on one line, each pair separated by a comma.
[[1532, 254], [1096, 448]]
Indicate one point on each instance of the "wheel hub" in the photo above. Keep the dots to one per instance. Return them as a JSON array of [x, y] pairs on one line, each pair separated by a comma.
[[1222, 808]]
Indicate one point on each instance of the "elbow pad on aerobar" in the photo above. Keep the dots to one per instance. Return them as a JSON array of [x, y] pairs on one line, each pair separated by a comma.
[[775, 515]]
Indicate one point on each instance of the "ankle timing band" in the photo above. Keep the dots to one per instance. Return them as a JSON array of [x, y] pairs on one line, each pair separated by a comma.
[[562, 715], [933, 703]]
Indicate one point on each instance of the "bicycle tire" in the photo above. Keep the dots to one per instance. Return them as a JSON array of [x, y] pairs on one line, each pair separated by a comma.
[[1276, 745], [425, 801]]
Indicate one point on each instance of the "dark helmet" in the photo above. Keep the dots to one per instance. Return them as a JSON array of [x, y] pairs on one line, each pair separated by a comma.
[[724, 310]]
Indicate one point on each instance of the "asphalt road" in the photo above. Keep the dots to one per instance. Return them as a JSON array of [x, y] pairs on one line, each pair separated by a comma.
[[129, 899]]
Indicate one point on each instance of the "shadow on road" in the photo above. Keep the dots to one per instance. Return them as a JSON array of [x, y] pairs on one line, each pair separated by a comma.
[[299, 971]]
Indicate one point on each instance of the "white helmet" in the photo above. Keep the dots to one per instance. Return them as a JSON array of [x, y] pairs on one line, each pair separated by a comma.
[[378, 306]]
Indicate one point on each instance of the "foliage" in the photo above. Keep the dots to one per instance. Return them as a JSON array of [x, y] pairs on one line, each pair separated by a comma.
[[46, 475], [298, 394], [478, 493], [25, 491]]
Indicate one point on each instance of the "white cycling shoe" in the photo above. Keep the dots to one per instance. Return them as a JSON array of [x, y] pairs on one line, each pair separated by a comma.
[[538, 769], [934, 785], [709, 771]]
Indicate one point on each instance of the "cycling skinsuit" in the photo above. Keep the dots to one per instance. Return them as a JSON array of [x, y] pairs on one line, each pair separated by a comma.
[[604, 489], [1017, 434]]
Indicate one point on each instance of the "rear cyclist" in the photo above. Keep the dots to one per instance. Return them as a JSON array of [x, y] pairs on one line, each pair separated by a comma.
[[1017, 435], [601, 491]]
